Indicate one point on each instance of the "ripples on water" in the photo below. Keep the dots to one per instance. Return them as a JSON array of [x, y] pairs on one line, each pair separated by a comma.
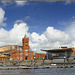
[[50, 71]]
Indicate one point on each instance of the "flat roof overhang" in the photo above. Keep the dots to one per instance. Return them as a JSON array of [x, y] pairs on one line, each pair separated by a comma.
[[58, 50]]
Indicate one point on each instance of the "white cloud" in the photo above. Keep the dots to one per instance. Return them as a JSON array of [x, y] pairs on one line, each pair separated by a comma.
[[18, 21], [51, 38], [18, 3], [71, 29], [67, 2], [56, 35], [15, 35], [73, 17], [27, 17], [7, 3], [21, 3], [2, 18]]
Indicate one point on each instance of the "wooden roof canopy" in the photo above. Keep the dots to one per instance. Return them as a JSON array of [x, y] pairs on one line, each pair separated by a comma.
[[58, 50], [3, 56]]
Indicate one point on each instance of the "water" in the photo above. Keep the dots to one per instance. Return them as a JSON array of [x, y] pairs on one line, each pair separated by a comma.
[[50, 71]]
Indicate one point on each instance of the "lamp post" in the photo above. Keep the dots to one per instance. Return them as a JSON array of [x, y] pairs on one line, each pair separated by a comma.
[[31, 62], [43, 61], [64, 60], [34, 60], [31, 59]]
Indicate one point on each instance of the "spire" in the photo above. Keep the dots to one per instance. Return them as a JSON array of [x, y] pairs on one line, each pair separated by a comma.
[[25, 36]]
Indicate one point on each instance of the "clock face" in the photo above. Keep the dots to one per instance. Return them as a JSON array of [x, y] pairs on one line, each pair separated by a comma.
[[25, 42]]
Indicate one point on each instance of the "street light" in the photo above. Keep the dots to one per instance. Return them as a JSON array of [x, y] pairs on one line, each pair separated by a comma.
[[43, 61], [64, 60], [34, 60]]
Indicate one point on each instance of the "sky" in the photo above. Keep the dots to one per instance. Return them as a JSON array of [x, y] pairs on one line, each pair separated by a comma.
[[48, 24]]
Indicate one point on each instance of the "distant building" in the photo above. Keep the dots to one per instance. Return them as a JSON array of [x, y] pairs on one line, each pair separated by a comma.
[[40, 55], [3, 57], [15, 52], [60, 54]]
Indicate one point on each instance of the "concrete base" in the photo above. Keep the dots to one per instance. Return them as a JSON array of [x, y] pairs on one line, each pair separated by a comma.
[[59, 60]]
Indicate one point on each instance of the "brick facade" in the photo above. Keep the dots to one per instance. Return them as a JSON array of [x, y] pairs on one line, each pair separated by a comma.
[[21, 52], [40, 55]]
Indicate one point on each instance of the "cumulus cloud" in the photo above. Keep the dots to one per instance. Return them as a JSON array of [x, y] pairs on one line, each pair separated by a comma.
[[51, 38], [14, 36], [67, 2], [56, 35], [2, 18], [71, 29], [21, 3]]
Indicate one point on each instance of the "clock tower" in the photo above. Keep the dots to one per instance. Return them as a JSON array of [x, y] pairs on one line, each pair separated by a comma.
[[25, 47]]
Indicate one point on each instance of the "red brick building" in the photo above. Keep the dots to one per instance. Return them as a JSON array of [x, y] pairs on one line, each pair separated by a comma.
[[40, 55], [21, 52]]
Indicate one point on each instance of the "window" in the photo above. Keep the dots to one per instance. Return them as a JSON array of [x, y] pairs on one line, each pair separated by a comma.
[[20, 53], [13, 47], [20, 58], [15, 50], [26, 53], [25, 42], [17, 57], [17, 53], [20, 49], [26, 50]]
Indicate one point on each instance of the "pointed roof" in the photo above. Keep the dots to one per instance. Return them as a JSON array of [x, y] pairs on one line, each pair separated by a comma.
[[25, 36]]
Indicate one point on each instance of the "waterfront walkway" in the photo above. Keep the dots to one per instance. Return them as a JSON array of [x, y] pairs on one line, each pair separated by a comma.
[[35, 67]]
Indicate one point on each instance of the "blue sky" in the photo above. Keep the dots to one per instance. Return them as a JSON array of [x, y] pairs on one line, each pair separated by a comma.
[[51, 22], [41, 15]]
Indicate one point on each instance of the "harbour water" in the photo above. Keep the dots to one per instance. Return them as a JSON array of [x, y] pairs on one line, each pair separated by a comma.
[[47, 71]]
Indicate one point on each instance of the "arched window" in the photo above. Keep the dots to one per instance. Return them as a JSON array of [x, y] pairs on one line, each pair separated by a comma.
[[13, 47], [20, 49]]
